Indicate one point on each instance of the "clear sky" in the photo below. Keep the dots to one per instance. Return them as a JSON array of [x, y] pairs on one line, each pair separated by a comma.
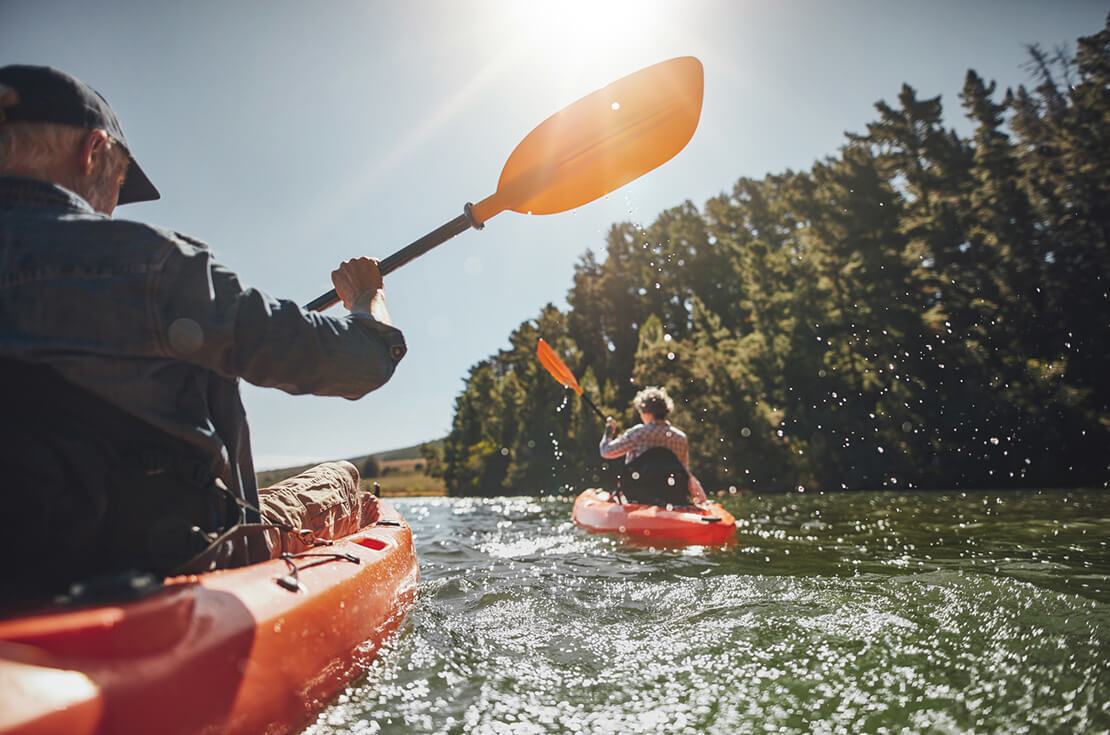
[[290, 135]]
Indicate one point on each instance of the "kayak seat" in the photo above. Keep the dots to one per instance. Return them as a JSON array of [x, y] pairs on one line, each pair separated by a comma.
[[656, 477], [98, 491]]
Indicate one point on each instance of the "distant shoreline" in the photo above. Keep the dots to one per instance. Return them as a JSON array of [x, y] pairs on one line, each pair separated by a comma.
[[401, 473]]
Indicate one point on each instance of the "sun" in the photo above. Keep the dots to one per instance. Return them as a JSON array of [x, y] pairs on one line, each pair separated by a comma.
[[576, 34]]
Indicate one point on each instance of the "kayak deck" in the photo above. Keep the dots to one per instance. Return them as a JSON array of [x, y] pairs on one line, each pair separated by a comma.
[[707, 524], [230, 651]]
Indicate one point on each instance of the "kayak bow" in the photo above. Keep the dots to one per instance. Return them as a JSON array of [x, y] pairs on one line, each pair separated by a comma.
[[230, 651]]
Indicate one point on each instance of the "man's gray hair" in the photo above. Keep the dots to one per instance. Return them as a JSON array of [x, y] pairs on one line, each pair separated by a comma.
[[33, 145], [28, 147], [654, 400]]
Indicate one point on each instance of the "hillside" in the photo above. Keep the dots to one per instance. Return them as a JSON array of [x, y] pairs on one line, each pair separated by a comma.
[[402, 472]]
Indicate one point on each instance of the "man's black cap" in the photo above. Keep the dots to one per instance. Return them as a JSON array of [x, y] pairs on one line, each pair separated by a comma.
[[46, 95]]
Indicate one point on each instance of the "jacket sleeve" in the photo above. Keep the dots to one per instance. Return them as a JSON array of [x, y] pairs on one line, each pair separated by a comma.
[[204, 315], [620, 446]]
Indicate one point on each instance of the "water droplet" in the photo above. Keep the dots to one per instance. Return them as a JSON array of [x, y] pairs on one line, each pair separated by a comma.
[[615, 106], [185, 336]]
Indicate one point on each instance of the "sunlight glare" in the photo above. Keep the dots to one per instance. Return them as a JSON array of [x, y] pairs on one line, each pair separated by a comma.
[[580, 33]]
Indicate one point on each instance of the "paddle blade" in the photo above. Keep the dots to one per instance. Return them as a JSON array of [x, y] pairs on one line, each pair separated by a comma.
[[554, 365], [602, 141]]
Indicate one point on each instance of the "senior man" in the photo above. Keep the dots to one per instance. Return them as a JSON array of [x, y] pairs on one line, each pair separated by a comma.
[[125, 442]]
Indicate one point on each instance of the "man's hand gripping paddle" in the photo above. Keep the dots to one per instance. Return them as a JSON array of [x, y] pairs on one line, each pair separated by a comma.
[[596, 145]]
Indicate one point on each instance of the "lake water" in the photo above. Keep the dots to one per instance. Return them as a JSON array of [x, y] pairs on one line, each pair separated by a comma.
[[838, 613]]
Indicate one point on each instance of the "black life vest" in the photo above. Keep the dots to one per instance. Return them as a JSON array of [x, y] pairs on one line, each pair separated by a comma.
[[656, 477]]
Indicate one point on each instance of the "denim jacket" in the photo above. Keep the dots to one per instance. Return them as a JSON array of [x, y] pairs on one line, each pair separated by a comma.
[[149, 321]]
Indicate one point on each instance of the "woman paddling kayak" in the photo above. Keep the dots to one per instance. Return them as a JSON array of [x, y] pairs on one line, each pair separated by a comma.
[[656, 454]]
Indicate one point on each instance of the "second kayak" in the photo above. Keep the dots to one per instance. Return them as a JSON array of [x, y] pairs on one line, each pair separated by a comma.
[[708, 524]]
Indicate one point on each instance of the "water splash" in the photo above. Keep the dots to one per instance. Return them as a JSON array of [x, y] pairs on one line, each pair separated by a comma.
[[854, 612]]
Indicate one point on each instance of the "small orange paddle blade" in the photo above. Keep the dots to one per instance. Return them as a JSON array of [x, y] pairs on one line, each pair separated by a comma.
[[602, 141], [554, 365]]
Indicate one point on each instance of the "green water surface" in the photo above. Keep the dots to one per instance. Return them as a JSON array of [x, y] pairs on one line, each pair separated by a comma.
[[834, 613]]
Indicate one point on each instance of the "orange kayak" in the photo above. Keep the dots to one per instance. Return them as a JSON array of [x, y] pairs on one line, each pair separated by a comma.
[[708, 524], [230, 651]]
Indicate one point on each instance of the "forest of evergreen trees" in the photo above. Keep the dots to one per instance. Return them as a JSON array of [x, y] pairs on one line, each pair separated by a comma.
[[920, 310]]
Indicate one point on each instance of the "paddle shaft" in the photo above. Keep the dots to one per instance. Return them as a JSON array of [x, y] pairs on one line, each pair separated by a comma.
[[591, 405], [413, 250]]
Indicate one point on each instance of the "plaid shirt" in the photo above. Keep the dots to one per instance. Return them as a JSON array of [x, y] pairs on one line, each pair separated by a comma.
[[642, 437]]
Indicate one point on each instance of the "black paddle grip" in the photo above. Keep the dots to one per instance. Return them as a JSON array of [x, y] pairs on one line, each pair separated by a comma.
[[412, 251]]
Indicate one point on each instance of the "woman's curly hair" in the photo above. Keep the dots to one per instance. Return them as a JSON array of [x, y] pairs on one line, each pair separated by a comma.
[[654, 400]]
